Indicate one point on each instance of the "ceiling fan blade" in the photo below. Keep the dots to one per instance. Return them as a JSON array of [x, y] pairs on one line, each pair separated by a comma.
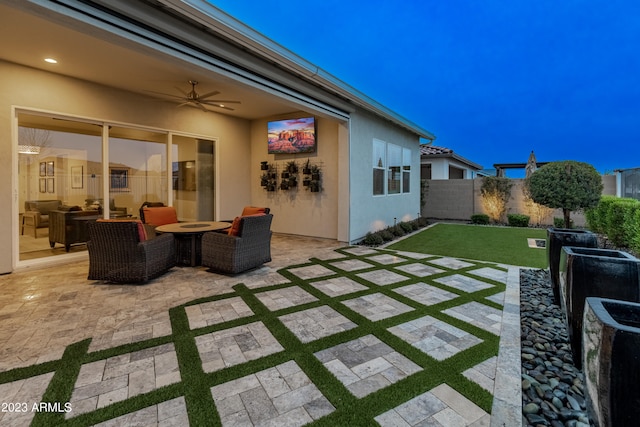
[[184, 93], [165, 94], [217, 102], [206, 95]]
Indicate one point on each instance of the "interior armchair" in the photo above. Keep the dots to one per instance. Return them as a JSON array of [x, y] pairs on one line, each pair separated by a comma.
[[36, 214], [119, 251], [241, 250]]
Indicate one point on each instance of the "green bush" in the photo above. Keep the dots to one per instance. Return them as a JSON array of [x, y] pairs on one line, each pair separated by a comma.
[[397, 231], [480, 219], [518, 220], [386, 235], [631, 227], [406, 227], [421, 221], [373, 239], [559, 222], [597, 216], [615, 218]]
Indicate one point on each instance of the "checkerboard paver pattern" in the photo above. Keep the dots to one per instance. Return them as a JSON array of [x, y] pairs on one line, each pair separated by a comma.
[[315, 323], [377, 306], [27, 390], [278, 396], [117, 378], [434, 337], [214, 312], [463, 283], [480, 315], [442, 406], [171, 413], [233, 346], [420, 270], [366, 365], [285, 298], [351, 265], [382, 277], [338, 286], [312, 271], [285, 394], [425, 294]]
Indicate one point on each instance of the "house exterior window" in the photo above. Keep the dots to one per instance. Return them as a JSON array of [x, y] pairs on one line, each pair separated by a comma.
[[406, 170], [379, 166], [391, 169]]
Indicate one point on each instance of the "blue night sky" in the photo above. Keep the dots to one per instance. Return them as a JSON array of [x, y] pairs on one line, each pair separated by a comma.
[[491, 79]]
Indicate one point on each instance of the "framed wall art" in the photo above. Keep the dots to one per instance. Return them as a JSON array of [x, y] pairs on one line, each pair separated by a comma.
[[77, 178], [50, 168], [51, 185], [43, 185], [43, 169]]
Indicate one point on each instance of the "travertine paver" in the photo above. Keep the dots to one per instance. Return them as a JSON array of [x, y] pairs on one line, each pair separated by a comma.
[[480, 315], [366, 364], [425, 294], [382, 277], [315, 323], [141, 330], [211, 313], [351, 265], [497, 298], [117, 378], [337, 286], [420, 270], [172, 413], [386, 259], [490, 273], [311, 271], [483, 374], [285, 298], [233, 346], [434, 337], [29, 392], [441, 406], [452, 263], [263, 280], [376, 306], [414, 255], [278, 396], [463, 283], [361, 250]]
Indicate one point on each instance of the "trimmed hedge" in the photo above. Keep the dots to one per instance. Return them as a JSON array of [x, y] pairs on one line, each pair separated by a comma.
[[518, 220], [618, 219], [390, 233], [481, 219]]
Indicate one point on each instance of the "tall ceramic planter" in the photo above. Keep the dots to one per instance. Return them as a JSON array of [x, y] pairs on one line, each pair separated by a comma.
[[593, 272], [611, 338], [556, 239]]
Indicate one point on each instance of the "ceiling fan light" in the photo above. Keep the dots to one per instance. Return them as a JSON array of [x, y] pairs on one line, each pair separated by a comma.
[[28, 149]]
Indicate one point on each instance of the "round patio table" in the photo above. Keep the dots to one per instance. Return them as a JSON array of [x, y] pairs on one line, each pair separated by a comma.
[[192, 232]]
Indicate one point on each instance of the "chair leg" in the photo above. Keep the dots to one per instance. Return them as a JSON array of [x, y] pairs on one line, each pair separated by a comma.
[[22, 231]]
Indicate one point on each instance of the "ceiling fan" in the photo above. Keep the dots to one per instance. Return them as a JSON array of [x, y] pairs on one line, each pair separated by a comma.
[[194, 99]]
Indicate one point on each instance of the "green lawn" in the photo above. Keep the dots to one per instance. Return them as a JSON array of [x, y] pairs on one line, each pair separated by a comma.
[[506, 245]]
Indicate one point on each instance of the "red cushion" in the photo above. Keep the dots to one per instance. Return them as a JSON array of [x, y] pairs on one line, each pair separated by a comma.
[[252, 210], [142, 232], [160, 216], [234, 230]]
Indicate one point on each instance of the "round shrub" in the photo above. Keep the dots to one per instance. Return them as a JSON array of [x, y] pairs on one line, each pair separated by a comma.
[[373, 239], [386, 235], [518, 220], [481, 219], [406, 227], [396, 230]]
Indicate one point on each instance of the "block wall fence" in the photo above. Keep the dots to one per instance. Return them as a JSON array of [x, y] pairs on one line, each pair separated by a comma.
[[458, 199]]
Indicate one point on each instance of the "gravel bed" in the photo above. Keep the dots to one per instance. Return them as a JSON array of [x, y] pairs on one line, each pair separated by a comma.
[[552, 387]]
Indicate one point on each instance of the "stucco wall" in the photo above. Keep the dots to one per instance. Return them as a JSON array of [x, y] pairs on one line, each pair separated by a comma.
[[299, 211], [369, 212], [459, 199], [34, 89]]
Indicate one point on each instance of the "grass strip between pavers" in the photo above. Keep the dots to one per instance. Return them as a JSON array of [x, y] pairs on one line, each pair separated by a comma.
[[195, 384]]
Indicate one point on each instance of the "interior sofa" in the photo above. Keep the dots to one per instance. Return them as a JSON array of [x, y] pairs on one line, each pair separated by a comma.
[[36, 214]]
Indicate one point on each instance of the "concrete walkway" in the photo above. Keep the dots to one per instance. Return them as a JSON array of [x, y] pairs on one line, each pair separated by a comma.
[[46, 314]]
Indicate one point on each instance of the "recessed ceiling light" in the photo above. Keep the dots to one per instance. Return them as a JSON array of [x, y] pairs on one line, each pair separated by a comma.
[[50, 60], [222, 105]]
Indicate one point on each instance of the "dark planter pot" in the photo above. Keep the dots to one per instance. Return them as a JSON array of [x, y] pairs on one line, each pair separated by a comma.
[[306, 171], [611, 361], [315, 176], [556, 239], [592, 272], [285, 175], [306, 182], [264, 166]]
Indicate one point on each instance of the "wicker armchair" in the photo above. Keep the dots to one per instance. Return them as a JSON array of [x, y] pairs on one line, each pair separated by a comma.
[[116, 253], [234, 254]]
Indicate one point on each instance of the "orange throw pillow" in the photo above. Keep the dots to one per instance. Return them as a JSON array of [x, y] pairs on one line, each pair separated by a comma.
[[160, 216], [235, 227], [142, 232], [252, 210]]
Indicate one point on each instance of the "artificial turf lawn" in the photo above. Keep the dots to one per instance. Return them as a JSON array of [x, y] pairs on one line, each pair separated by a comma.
[[195, 384], [504, 245]]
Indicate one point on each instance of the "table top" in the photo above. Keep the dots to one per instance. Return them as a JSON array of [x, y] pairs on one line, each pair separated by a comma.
[[193, 227]]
